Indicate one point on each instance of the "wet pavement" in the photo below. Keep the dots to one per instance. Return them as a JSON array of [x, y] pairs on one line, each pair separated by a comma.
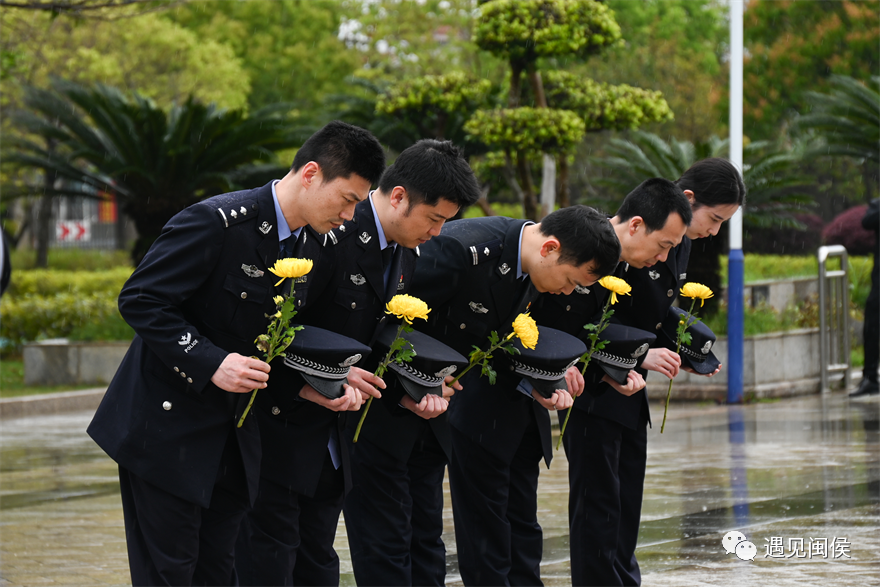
[[800, 478]]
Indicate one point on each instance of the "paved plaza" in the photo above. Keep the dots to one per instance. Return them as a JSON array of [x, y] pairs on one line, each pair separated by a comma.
[[800, 478]]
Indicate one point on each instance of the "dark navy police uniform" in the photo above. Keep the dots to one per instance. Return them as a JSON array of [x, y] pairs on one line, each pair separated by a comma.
[[468, 276], [187, 473], [306, 466], [606, 436]]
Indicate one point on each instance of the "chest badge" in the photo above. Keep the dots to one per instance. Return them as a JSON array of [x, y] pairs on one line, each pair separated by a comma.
[[683, 276], [582, 289], [654, 275], [251, 270], [365, 238], [400, 285], [358, 279], [478, 308], [504, 269]]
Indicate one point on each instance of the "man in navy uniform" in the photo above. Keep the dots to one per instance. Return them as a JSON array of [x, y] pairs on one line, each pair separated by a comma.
[[306, 465], [605, 439], [477, 276], [197, 302]]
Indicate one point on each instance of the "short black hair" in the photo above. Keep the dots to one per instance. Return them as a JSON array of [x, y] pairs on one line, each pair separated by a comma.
[[715, 182], [584, 235], [430, 170], [342, 149], [654, 200]]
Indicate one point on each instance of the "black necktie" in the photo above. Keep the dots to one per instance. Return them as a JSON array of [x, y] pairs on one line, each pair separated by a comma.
[[285, 247]]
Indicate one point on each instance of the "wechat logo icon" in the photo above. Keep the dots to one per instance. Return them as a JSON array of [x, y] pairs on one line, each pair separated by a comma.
[[735, 543]]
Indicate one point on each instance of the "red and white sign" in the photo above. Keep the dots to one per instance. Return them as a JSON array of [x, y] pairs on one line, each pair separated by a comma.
[[73, 231]]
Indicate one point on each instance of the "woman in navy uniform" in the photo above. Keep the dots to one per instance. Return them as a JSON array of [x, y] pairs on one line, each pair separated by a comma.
[[306, 467], [477, 276], [197, 302]]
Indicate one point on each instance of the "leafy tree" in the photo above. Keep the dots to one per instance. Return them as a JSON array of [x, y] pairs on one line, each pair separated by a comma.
[[847, 120], [773, 187], [156, 162], [289, 48], [795, 46], [522, 32]]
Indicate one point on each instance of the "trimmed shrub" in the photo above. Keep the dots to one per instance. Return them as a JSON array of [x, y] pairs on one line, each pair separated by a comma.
[[846, 229]]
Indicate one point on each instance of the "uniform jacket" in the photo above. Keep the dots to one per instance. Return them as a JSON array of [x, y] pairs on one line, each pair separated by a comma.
[[654, 289], [296, 432], [468, 277], [202, 291]]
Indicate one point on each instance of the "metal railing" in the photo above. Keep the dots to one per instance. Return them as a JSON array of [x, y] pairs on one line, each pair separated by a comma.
[[834, 352]]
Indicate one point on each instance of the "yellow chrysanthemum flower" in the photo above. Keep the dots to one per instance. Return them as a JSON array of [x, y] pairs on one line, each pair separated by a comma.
[[616, 286], [291, 268], [525, 328], [278, 300], [696, 290], [407, 307]]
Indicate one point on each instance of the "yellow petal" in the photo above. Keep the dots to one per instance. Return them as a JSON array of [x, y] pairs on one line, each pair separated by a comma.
[[407, 307], [615, 285], [525, 328], [278, 300], [696, 291]]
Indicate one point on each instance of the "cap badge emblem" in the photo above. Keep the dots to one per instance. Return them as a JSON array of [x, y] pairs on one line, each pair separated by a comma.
[[350, 361], [358, 279], [251, 270], [640, 351], [706, 347], [478, 308], [265, 227], [446, 371]]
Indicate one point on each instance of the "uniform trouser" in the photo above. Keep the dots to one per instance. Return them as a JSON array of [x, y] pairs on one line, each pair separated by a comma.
[[287, 538], [872, 331], [495, 507], [606, 472], [172, 541], [394, 514]]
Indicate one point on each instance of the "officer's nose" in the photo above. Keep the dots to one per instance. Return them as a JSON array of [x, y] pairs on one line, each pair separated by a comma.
[[662, 256], [348, 212]]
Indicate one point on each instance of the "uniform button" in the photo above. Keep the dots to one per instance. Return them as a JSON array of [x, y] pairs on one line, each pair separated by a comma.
[[462, 326], [182, 374], [189, 380], [669, 293], [658, 326], [166, 406], [176, 370], [353, 305], [276, 410], [567, 308], [244, 295]]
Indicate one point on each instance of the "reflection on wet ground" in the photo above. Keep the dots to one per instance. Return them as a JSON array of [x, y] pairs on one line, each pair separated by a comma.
[[799, 477]]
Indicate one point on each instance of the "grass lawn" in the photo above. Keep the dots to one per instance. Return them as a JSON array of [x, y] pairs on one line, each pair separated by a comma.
[[12, 381]]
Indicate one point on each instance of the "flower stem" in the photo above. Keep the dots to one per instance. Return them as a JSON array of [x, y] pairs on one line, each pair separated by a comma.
[[247, 409], [380, 371], [483, 355], [681, 329]]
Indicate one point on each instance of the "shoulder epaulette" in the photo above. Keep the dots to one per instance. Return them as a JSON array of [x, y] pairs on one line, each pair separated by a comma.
[[233, 213], [486, 251]]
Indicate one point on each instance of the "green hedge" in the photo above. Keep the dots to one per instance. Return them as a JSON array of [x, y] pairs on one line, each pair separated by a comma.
[[50, 303]]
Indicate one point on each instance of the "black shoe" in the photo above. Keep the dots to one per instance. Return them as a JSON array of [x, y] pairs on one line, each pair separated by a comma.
[[866, 387]]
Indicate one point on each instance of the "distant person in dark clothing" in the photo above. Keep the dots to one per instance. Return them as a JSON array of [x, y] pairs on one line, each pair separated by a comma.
[[869, 386]]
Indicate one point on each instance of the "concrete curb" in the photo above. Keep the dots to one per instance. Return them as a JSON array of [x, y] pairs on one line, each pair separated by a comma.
[[51, 403]]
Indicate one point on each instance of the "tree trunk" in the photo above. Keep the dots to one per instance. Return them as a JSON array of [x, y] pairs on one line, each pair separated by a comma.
[[516, 70], [548, 185], [44, 213], [562, 182], [530, 205], [483, 202]]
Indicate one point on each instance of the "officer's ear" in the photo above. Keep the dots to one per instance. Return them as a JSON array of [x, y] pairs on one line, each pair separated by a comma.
[[549, 246], [636, 223], [310, 175], [399, 198]]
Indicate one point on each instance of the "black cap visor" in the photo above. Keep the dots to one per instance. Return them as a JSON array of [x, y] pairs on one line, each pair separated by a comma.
[[329, 388]]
